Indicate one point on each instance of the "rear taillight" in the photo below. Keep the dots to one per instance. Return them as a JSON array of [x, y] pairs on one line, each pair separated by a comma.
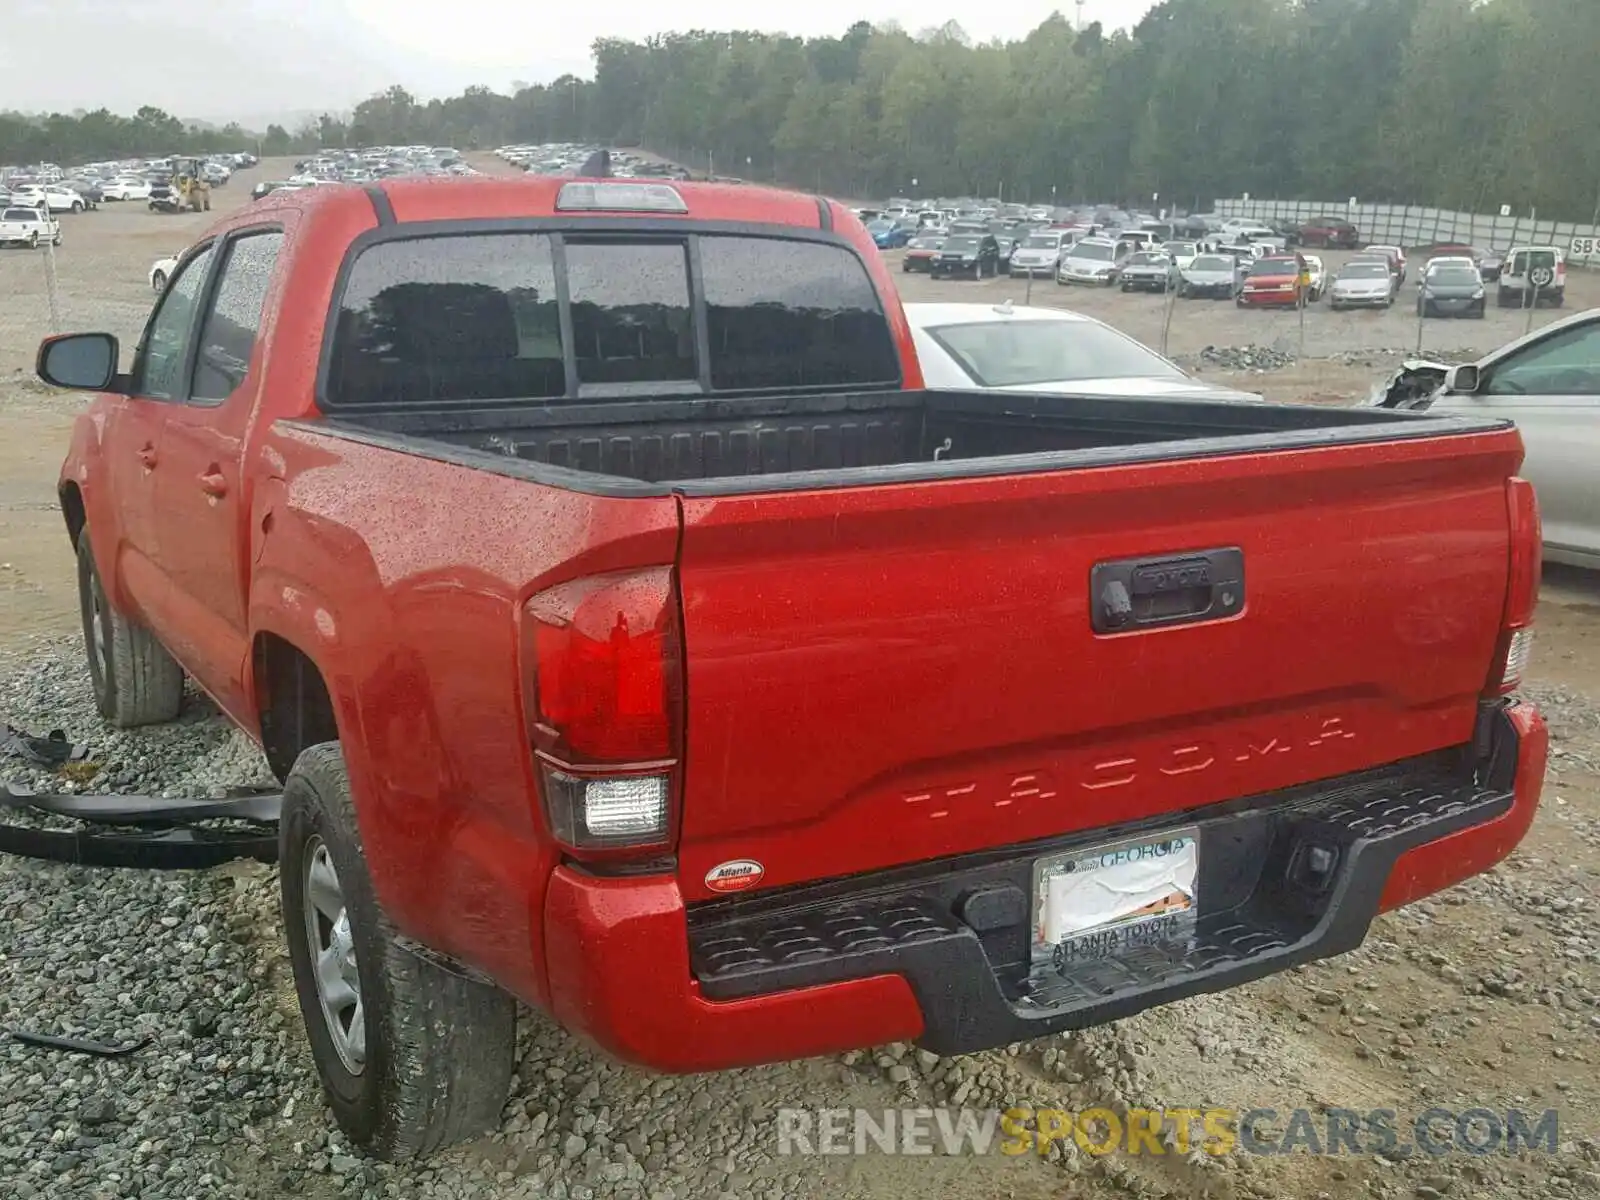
[[1522, 589], [603, 688]]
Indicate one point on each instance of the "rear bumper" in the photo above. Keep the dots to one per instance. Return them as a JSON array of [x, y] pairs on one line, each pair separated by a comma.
[[938, 952]]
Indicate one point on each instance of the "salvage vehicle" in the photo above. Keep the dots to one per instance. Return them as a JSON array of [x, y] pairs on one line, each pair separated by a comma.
[[921, 251], [1019, 348], [1533, 275], [974, 254], [1330, 233], [1451, 288], [1148, 271], [1548, 382], [1396, 258], [1093, 260], [21, 225], [161, 271], [1039, 253], [1217, 276], [637, 635], [1316, 278], [1360, 284], [1277, 281]]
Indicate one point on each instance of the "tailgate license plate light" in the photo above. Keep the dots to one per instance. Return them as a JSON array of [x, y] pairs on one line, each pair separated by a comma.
[[1102, 901]]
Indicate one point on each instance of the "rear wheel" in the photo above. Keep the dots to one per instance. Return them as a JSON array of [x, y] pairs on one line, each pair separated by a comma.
[[414, 1054], [135, 680]]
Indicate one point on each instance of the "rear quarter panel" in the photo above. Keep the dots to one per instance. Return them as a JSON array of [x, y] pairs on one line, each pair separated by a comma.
[[403, 578]]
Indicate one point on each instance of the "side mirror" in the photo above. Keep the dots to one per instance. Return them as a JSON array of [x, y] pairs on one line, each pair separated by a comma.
[[83, 361], [1462, 380]]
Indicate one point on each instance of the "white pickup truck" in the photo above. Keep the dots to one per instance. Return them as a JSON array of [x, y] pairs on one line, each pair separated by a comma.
[[23, 226]]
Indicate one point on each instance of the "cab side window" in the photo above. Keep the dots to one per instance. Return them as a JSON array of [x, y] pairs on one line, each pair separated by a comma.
[[1566, 364], [158, 373], [228, 335]]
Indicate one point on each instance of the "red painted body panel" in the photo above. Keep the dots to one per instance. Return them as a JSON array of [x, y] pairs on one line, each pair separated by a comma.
[[1440, 864], [619, 975], [881, 675], [873, 675]]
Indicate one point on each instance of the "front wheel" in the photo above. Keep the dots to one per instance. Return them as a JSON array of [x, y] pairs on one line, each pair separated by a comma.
[[414, 1054], [77, 207], [135, 681], [33, 241]]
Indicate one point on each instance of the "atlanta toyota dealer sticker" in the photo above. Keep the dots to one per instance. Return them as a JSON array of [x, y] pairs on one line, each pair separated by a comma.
[[735, 876]]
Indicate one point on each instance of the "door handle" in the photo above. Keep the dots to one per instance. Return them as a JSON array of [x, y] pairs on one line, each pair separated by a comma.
[[147, 455], [214, 483], [1135, 593]]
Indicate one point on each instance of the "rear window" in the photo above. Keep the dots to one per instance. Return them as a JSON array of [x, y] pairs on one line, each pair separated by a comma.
[[792, 314], [464, 318]]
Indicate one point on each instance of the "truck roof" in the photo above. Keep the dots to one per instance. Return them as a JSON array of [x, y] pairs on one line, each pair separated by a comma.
[[480, 198]]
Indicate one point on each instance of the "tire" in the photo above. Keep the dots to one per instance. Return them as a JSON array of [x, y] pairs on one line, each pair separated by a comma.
[[1557, 299], [158, 281], [33, 241], [78, 207], [135, 681], [1502, 297], [438, 1047], [56, 241]]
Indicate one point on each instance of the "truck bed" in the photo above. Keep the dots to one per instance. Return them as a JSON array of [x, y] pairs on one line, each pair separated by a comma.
[[774, 442]]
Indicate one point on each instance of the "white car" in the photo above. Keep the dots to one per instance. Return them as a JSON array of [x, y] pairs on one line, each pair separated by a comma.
[[1181, 253], [1031, 349], [56, 199], [127, 187], [1319, 277], [1093, 260], [1039, 253], [22, 225], [161, 271]]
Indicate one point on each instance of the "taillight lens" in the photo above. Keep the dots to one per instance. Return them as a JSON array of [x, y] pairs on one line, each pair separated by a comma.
[[1522, 588], [602, 675]]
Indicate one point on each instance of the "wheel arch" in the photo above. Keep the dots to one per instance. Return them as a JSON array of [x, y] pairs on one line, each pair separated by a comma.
[[294, 704]]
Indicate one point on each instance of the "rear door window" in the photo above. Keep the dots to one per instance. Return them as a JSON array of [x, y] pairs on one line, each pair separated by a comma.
[[792, 314], [228, 336]]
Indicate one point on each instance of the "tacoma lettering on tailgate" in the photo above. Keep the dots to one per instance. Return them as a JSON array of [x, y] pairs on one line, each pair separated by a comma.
[[1091, 774]]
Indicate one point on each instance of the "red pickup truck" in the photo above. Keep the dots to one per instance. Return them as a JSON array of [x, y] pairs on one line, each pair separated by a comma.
[[636, 636]]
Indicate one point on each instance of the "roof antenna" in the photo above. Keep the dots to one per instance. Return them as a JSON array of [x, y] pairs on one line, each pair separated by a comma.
[[597, 166]]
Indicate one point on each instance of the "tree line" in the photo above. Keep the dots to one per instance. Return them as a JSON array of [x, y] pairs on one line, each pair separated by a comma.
[[1465, 104]]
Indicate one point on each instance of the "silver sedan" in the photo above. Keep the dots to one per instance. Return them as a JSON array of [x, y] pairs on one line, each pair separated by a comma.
[[1548, 382]]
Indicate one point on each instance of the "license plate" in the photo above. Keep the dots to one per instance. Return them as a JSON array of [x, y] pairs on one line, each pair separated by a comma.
[[1101, 901]]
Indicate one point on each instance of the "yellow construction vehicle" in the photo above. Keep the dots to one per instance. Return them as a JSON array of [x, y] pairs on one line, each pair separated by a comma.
[[189, 186]]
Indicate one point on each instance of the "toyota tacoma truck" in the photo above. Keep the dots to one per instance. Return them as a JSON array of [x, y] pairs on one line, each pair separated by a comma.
[[637, 636]]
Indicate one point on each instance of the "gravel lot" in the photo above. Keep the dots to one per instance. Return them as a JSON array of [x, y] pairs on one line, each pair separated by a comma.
[[1486, 996]]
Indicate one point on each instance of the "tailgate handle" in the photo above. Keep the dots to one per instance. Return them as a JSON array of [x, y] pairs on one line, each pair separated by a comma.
[[1184, 589]]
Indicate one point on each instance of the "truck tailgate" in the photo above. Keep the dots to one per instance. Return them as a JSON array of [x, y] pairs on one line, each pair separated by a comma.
[[883, 674]]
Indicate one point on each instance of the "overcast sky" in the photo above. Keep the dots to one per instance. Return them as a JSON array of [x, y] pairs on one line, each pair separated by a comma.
[[253, 60]]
